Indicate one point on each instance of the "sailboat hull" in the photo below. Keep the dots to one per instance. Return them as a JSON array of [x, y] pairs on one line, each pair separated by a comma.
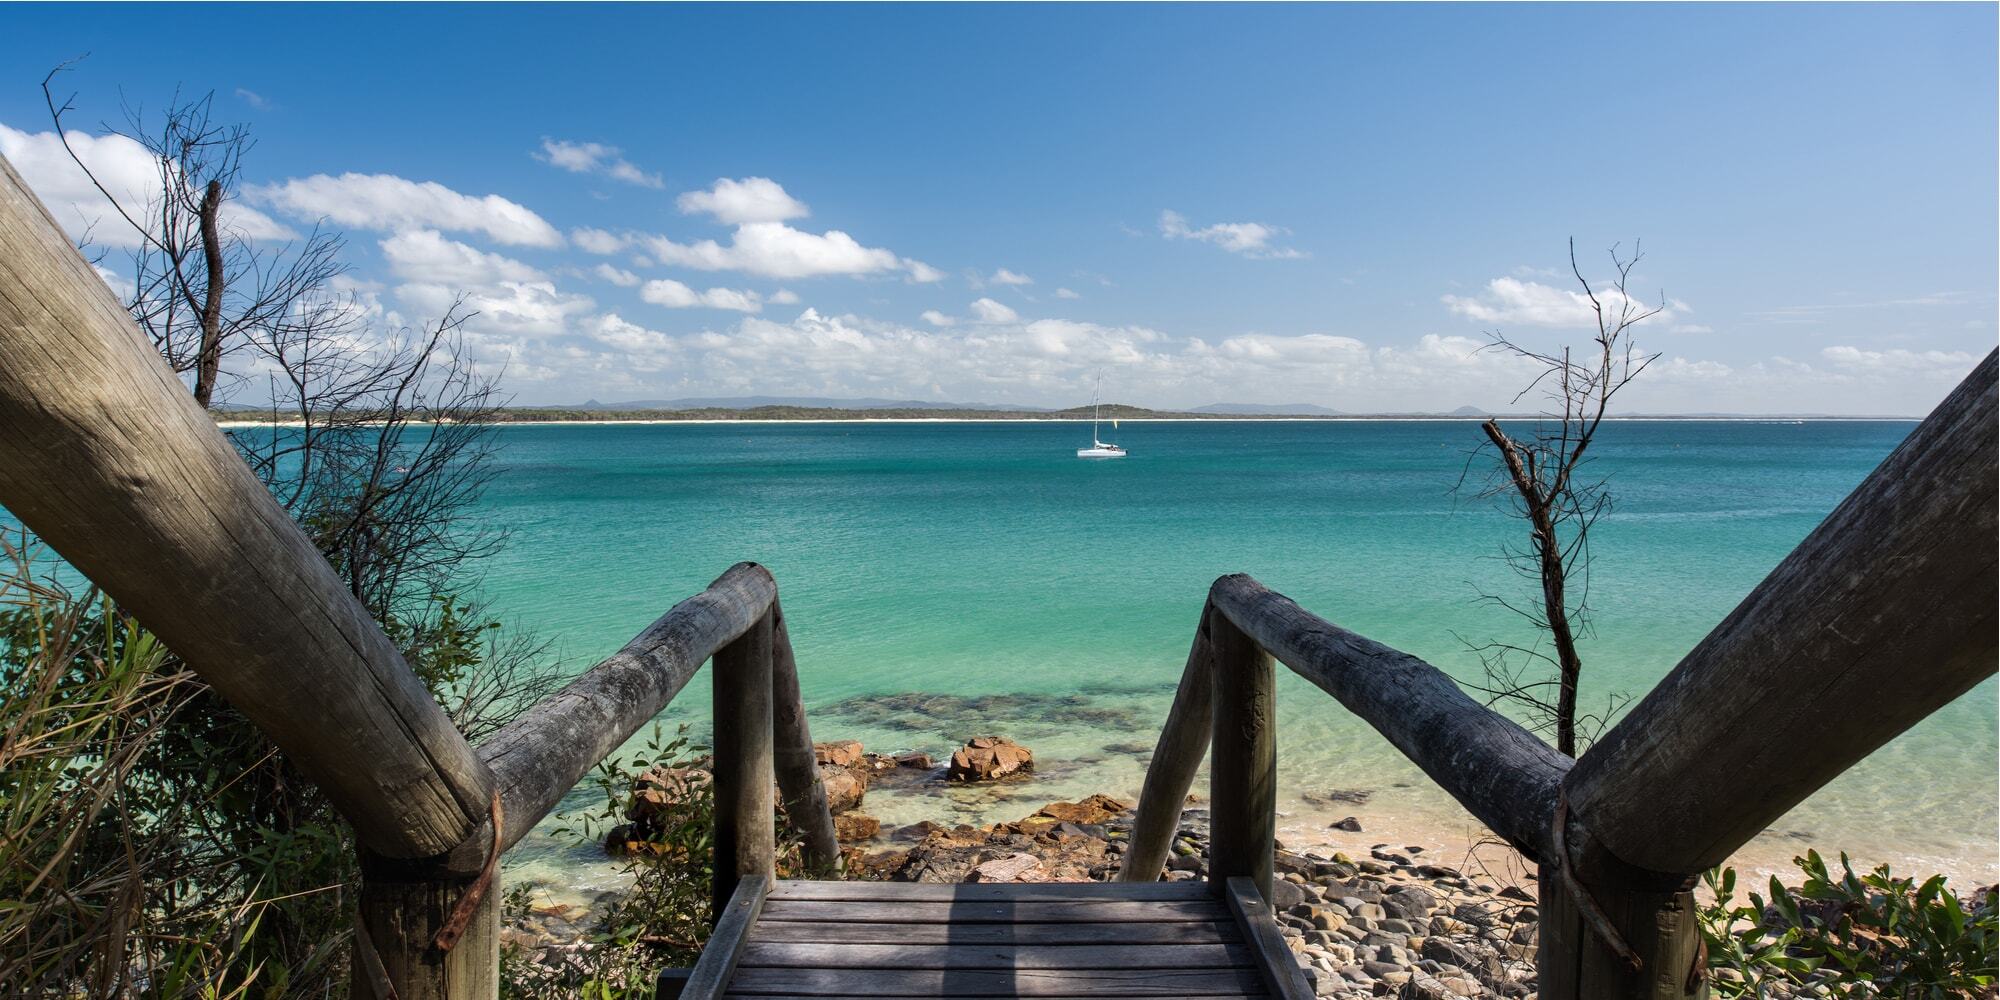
[[1100, 452]]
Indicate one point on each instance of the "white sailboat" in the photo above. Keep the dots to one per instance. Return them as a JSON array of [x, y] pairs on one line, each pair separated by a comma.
[[1098, 449]]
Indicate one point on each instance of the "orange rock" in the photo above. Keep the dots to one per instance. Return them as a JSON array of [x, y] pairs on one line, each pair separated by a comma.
[[856, 826], [988, 757], [839, 753]]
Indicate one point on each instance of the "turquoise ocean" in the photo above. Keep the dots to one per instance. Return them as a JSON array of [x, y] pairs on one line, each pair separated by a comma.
[[944, 580]]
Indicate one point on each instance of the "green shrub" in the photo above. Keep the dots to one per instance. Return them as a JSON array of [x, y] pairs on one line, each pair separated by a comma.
[[1850, 936]]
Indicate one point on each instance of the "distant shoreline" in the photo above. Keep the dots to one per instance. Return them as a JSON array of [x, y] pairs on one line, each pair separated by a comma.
[[231, 422]]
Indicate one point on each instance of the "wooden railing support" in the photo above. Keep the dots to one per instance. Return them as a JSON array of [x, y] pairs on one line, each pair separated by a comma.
[[401, 907], [1176, 757], [1501, 773], [539, 757], [799, 785], [1882, 615], [1243, 773], [745, 842], [105, 455]]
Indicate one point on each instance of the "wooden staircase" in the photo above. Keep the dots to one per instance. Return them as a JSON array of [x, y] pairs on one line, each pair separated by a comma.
[[1052, 939]]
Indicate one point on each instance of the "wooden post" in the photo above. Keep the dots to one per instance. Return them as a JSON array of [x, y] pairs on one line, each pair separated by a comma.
[[1243, 768], [744, 823], [104, 454], [1501, 773], [1882, 615], [1176, 757], [539, 757], [797, 768], [402, 907]]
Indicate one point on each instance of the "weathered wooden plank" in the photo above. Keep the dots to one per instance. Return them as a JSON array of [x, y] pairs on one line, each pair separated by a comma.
[[1041, 911], [104, 454], [1276, 965], [965, 955], [981, 982], [538, 758], [745, 823], [712, 973], [1879, 617], [1498, 771], [793, 761], [1176, 757], [1182, 932], [1191, 891], [1243, 765]]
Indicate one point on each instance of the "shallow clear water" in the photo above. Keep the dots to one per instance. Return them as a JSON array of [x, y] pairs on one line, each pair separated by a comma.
[[944, 580]]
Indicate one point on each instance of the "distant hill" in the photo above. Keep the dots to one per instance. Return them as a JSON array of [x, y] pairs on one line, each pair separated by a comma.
[[1268, 409], [1468, 411], [806, 402]]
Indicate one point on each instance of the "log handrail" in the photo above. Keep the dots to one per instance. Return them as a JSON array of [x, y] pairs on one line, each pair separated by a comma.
[[760, 736], [541, 755], [1882, 615], [1887, 609], [1501, 773], [105, 455]]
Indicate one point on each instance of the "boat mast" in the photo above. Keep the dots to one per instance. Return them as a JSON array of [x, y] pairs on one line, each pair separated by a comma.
[[1094, 392]]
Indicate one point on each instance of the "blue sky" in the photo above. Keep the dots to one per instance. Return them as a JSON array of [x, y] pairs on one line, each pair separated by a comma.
[[1251, 204]]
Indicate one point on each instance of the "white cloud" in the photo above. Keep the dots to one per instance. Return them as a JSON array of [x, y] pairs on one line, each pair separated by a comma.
[[254, 99], [775, 250], [524, 308], [595, 158], [424, 255], [922, 273], [674, 295], [617, 276], [763, 244], [935, 318], [735, 203], [783, 297], [125, 169], [1311, 348], [387, 202], [1006, 277], [599, 241], [989, 311], [1249, 239], [615, 332], [1064, 293], [1952, 364], [1531, 303]]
